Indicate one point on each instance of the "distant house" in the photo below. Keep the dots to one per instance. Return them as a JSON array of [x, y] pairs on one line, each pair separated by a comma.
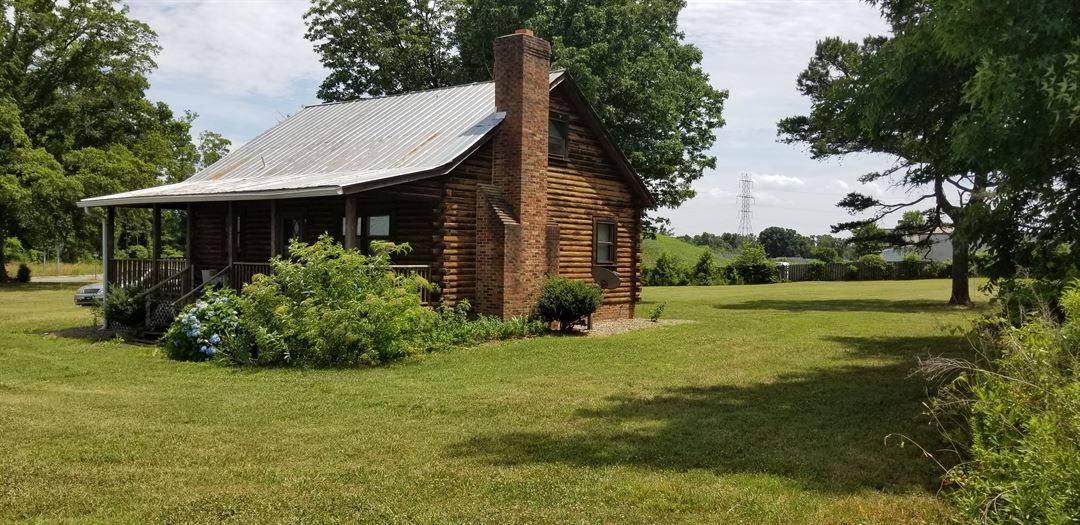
[[494, 185], [940, 249]]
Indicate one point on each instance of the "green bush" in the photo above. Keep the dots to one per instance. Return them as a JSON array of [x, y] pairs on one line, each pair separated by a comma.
[[852, 273], [567, 301], [326, 306], [137, 251], [1018, 299], [752, 266], [124, 306], [1019, 414], [911, 267], [22, 275], [203, 328], [14, 250], [876, 267], [815, 270], [705, 272], [668, 271]]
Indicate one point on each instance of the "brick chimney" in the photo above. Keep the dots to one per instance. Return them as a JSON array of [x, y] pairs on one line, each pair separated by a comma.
[[513, 211]]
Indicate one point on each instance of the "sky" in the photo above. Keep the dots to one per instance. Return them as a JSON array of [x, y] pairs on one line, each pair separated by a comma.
[[244, 65]]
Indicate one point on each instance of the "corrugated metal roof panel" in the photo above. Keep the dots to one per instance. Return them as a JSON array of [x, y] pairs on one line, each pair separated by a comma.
[[323, 149]]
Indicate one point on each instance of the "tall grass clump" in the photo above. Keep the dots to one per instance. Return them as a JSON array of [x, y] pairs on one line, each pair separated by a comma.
[[1013, 415]]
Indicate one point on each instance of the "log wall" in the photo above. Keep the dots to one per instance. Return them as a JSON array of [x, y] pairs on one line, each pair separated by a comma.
[[585, 186]]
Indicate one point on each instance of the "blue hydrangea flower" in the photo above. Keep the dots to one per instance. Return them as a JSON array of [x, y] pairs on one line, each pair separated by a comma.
[[215, 339]]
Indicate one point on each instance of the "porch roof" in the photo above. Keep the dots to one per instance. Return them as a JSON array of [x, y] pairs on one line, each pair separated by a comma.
[[344, 147]]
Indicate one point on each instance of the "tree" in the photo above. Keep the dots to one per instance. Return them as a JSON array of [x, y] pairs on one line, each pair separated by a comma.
[[784, 242], [869, 239], [212, 147], [76, 121], [901, 96], [628, 57], [1022, 118]]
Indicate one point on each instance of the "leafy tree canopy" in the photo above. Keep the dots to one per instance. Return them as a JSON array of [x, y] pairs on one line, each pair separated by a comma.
[[75, 121], [784, 242], [628, 57]]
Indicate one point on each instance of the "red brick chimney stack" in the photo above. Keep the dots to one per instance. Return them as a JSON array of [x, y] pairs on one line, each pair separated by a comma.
[[519, 176]]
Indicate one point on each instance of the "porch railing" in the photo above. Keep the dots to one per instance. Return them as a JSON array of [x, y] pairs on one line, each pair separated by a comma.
[[421, 270], [169, 284], [243, 273], [136, 274]]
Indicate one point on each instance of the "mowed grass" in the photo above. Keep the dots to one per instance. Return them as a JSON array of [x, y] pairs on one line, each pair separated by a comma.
[[773, 407]]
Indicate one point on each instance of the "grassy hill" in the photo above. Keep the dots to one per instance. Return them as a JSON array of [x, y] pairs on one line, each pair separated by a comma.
[[689, 253]]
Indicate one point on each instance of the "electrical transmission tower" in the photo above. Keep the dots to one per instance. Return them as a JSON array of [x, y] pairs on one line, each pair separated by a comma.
[[746, 205]]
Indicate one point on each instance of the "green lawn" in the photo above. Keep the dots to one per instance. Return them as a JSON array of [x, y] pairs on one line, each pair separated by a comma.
[[771, 408]]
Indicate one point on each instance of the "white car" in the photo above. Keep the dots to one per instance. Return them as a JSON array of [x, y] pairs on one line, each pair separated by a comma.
[[90, 294]]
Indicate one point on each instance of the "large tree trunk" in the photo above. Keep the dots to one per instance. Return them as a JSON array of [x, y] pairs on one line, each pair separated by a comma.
[[3, 261], [961, 293]]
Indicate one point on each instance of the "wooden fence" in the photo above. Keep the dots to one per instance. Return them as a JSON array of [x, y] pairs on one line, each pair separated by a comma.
[[856, 271]]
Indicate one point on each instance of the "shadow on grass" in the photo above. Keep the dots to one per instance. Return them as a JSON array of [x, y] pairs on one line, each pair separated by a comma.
[[841, 305], [825, 429]]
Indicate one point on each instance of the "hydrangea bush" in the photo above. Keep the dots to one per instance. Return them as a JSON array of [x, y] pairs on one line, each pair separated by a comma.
[[201, 330]]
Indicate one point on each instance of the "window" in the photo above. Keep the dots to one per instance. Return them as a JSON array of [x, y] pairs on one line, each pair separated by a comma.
[[374, 227], [604, 242], [557, 136], [378, 227]]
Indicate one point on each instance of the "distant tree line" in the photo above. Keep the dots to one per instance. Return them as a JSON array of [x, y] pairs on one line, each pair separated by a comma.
[[779, 242]]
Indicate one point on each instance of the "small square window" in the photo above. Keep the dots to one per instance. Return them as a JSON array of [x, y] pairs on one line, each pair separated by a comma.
[[378, 226], [557, 137], [604, 242]]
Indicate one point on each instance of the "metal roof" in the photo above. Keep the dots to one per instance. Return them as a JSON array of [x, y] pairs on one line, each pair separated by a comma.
[[335, 148]]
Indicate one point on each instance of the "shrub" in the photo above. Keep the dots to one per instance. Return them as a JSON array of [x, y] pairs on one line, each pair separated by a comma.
[[123, 306], [1018, 299], [138, 251], [877, 268], [668, 271], [1019, 420], [326, 306], [937, 270], [452, 327], [22, 275], [752, 266], [852, 272], [204, 327], [911, 267], [14, 250], [567, 301], [657, 312], [815, 270], [705, 271]]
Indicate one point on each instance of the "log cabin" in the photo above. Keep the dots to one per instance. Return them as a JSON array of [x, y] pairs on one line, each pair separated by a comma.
[[494, 185]]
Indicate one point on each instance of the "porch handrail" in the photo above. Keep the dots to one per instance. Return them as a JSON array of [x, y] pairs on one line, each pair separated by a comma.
[[162, 282], [202, 285]]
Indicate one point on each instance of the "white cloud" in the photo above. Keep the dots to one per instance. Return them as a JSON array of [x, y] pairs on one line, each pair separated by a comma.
[[234, 48], [839, 185], [777, 181]]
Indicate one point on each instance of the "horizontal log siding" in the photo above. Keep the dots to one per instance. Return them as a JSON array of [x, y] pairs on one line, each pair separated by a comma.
[[209, 250], [253, 235], [582, 187], [455, 251]]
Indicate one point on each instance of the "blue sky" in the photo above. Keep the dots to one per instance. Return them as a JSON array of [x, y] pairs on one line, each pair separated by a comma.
[[243, 65]]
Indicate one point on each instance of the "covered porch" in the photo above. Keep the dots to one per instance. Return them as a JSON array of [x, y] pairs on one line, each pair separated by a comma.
[[228, 242]]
